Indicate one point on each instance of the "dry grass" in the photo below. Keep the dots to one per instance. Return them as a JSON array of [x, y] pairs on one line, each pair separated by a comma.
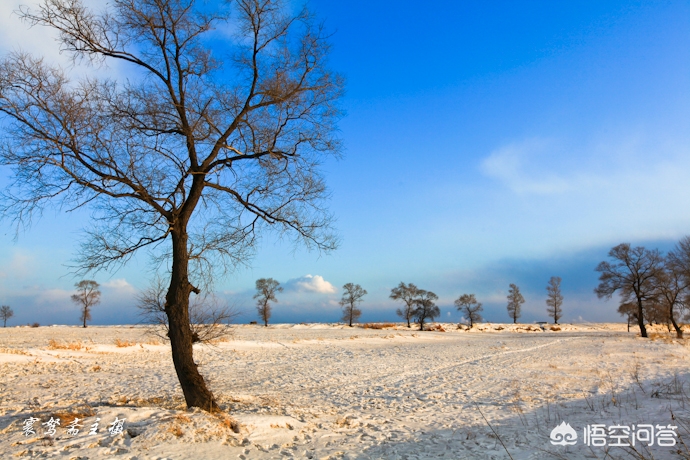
[[182, 418], [123, 343], [153, 342], [176, 430], [378, 325], [228, 423], [67, 417], [436, 327], [15, 351], [55, 345], [173, 403], [555, 328], [95, 368]]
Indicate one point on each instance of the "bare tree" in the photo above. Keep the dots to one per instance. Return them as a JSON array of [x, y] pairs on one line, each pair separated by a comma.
[[515, 301], [425, 308], [188, 155], [208, 315], [351, 298], [407, 293], [629, 310], [86, 297], [468, 304], [632, 273], [554, 298], [674, 282], [6, 313], [266, 289]]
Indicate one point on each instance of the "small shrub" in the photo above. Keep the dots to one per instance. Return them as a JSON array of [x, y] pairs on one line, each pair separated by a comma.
[[555, 328], [123, 343], [35, 325], [437, 328]]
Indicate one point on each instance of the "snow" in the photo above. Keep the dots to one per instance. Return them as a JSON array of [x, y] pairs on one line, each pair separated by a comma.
[[329, 391]]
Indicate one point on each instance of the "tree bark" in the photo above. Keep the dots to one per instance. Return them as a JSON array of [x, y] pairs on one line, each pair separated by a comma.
[[679, 331], [640, 318], [177, 309]]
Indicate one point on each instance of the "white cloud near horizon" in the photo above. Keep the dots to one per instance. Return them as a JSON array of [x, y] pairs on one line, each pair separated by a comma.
[[119, 284], [309, 283]]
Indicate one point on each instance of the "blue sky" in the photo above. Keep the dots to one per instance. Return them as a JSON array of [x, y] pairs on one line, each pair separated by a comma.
[[486, 143]]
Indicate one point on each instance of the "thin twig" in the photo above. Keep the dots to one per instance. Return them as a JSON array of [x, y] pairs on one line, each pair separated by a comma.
[[494, 431]]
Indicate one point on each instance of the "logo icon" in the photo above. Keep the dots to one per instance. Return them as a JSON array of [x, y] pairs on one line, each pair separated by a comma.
[[563, 435]]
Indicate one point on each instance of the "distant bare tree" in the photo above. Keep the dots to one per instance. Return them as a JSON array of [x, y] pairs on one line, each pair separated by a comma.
[[629, 310], [266, 289], [208, 315], [674, 286], [515, 301], [6, 313], [407, 293], [468, 304], [554, 299], [632, 273], [352, 295], [425, 308], [204, 140], [86, 297]]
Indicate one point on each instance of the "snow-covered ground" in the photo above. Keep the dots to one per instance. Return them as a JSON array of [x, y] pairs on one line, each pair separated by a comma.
[[329, 391]]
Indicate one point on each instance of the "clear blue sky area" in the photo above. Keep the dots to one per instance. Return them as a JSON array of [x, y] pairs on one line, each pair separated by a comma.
[[486, 143]]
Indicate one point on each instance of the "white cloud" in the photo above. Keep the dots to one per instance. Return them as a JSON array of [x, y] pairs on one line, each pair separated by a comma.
[[119, 284], [309, 283], [519, 166]]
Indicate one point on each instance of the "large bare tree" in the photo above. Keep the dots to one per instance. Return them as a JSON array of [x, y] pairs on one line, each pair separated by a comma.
[[191, 153], [88, 295], [266, 289], [515, 301], [6, 313], [425, 307], [407, 293], [673, 283], [554, 299], [468, 305], [632, 273], [352, 296]]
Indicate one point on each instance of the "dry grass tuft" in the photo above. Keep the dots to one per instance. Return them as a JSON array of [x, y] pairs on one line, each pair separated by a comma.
[[176, 430], [182, 418], [95, 368], [555, 328], [228, 423], [378, 325], [123, 343], [55, 345], [67, 417], [153, 342], [15, 351], [437, 328]]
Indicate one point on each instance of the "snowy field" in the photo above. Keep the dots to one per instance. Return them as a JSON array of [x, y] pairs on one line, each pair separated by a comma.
[[334, 392]]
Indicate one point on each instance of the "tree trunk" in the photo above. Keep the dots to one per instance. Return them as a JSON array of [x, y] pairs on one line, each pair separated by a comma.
[[640, 318], [84, 318], [679, 331], [177, 309]]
